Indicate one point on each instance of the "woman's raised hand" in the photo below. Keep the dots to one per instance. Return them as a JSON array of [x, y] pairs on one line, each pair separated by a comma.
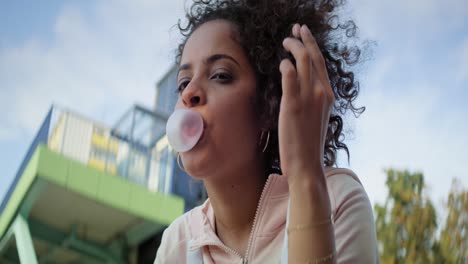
[[305, 107]]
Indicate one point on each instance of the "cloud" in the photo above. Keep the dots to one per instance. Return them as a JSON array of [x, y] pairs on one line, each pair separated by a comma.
[[6, 134], [412, 92], [462, 57], [99, 62], [405, 21], [395, 138], [407, 131]]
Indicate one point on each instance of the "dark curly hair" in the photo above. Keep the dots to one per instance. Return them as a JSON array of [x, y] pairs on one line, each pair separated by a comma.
[[261, 26]]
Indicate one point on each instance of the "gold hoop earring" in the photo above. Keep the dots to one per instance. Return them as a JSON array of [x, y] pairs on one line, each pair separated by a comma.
[[178, 163], [267, 141]]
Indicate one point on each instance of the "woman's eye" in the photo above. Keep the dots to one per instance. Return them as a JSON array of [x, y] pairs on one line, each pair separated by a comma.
[[182, 85], [222, 77]]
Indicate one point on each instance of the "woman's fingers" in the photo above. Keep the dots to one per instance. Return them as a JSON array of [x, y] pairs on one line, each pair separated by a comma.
[[311, 71], [303, 62], [312, 47], [296, 31], [310, 63], [316, 55], [289, 79]]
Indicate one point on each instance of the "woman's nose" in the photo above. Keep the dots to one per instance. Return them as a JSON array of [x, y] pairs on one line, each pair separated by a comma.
[[193, 95]]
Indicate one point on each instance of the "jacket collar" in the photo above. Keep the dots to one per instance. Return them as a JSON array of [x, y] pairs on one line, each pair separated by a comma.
[[275, 194]]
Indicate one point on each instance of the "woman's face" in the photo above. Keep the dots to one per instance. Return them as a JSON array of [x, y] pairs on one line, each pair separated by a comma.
[[216, 80]]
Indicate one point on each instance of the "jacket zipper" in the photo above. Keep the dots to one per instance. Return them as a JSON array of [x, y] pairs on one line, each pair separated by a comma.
[[227, 249], [259, 206]]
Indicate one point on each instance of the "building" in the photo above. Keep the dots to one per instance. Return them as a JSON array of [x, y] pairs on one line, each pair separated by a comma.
[[87, 192]]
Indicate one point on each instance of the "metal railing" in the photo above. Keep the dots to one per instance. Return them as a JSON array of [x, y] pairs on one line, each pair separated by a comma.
[[98, 146], [94, 144]]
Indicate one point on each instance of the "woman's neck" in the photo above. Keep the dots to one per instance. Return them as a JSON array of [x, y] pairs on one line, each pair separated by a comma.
[[234, 199]]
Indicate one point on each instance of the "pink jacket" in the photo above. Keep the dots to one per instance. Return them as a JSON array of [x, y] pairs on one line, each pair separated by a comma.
[[191, 237]]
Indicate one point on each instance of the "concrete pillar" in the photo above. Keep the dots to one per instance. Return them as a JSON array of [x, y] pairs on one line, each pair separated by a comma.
[[24, 241]]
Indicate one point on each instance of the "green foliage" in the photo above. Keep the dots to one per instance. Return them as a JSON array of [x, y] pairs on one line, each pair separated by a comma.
[[406, 223], [454, 235]]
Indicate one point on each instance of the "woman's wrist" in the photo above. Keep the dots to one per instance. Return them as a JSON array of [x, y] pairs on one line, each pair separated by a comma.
[[309, 195], [310, 218], [308, 181]]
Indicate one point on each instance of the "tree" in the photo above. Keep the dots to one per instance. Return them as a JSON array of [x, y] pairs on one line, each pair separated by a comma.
[[406, 223], [454, 235]]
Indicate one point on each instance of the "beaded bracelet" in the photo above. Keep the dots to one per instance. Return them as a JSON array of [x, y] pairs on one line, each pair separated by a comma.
[[310, 226], [322, 259]]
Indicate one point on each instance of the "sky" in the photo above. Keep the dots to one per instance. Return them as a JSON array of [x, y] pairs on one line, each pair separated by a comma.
[[100, 57]]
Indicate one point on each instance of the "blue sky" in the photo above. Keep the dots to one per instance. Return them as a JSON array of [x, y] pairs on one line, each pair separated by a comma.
[[100, 57]]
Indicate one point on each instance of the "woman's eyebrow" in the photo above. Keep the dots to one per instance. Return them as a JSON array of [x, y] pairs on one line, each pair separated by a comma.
[[216, 57], [184, 67], [210, 60]]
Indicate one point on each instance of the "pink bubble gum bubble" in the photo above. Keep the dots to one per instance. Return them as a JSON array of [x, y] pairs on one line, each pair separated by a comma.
[[184, 128]]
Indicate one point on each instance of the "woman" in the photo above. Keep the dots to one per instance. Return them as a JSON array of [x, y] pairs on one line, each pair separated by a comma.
[[271, 81]]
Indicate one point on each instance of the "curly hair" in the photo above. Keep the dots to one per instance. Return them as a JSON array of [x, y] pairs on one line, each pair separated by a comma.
[[261, 26]]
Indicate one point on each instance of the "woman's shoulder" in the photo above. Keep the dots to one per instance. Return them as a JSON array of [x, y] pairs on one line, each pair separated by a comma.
[[341, 182], [346, 174], [183, 226], [355, 235], [175, 236], [345, 190]]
